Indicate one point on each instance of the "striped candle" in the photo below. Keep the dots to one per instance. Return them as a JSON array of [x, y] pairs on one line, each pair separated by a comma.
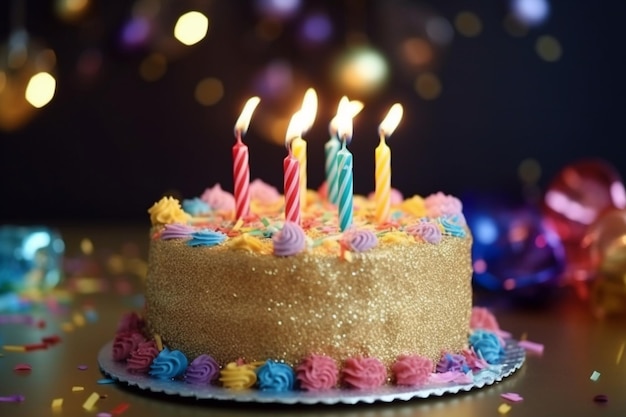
[[298, 147], [241, 167], [291, 168], [345, 194], [382, 194], [331, 148]]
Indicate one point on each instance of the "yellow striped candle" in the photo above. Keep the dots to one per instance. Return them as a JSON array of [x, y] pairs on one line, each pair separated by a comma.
[[382, 195], [298, 145]]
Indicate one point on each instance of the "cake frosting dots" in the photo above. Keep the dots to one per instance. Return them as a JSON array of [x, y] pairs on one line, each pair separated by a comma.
[[266, 303]]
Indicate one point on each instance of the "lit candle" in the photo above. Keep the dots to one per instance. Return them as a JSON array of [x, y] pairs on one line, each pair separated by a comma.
[[331, 148], [382, 195], [291, 168], [344, 168], [241, 167], [298, 144]]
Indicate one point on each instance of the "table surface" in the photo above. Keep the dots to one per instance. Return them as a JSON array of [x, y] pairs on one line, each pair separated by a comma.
[[104, 284]]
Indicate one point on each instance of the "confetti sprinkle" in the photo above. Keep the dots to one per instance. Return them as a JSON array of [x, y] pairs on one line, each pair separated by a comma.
[[91, 401], [531, 347], [51, 340], [22, 367], [595, 375], [104, 415], [82, 367], [601, 398], [67, 327], [105, 381], [504, 408], [17, 398], [79, 319], [14, 348], [35, 346], [77, 388], [120, 408], [57, 403], [620, 352], [512, 396]]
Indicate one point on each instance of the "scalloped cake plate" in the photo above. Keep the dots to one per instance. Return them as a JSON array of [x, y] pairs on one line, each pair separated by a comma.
[[513, 360]]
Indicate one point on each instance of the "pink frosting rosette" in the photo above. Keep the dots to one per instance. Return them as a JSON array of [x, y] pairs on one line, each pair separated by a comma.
[[412, 370], [484, 319], [364, 373], [441, 204], [141, 358], [130, 323], [125, 343], [317, 373], [218, 199], [290, 240], [263, 192]]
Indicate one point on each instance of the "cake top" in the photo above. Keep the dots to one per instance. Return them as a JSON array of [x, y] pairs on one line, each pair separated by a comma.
[[209, 220]]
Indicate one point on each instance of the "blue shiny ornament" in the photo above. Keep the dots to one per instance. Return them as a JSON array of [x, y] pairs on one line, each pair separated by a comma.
[[30, 258], [514, 250]]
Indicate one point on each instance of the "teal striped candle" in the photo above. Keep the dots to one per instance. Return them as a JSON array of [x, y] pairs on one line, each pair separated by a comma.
[[331, 148], [344, 168]]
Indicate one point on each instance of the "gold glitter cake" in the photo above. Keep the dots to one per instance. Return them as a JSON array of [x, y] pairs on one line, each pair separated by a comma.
[[261, 288]]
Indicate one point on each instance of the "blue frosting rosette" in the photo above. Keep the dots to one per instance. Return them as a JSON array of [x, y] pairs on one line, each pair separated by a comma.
[[168, 364], [206, 237], [275, 376], [195, 206], [487, 345], [452, 225]]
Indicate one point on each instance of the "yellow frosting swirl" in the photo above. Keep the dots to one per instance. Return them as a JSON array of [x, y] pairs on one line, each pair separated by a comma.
[[166, 211], [236, 376], [415, 206], [249, 243]]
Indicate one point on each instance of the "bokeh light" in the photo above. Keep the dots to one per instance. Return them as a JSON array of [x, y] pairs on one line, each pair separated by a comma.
[[275, 80], [153, 67], [530, 12], [209, 91], [277, 8], [514, 27], [361, 71], [468, 24], [40, 89], [316, 28], [439, 30], [71, 10], [548, 48], [529, 171], [191, 28], [428, 86], [135, 32], [417, 52]]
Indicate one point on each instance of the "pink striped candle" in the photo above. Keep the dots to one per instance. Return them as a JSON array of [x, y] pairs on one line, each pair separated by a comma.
[[241, 167], [291, 167]]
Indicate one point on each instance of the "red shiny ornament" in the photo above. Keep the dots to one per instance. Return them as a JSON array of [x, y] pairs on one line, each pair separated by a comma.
[[575, 199]]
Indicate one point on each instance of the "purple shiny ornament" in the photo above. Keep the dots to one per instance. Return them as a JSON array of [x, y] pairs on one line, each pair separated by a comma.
[[574, 200], [513, 250]]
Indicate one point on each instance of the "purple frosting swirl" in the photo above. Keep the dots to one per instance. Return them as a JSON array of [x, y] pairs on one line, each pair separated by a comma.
[[290, 240], [168, 364], [360, 240], [451, 362], [202, 370], [177, 231], [427, 231]]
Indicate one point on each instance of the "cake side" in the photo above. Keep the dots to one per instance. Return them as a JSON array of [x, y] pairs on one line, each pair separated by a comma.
[[397, 298]]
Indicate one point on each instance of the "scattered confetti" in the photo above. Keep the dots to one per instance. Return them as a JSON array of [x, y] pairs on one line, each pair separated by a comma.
[[512, 396], [14, 348], [17, 398], [620, 352], [51, 340], [77, 388], [57, 403], [504, 408], [22, 367], [91, 401], [531, 347], [105, 381], [120, 408], [79, 319], [35, 346], [67, 327], [82, 367], [595, 375], [104, 415], [601, 398]]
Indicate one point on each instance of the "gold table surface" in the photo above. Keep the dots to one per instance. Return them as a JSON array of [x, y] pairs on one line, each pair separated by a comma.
[[106, 282]]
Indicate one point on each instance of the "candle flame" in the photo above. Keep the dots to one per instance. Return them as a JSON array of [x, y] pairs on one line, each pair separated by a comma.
[[351, 107], [391, 121], [344, 121], [294, 129], [308, 109], [241, 127]]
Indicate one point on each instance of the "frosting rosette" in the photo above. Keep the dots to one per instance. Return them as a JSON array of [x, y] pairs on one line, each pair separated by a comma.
[[167, 210], [364, 373], [360, 240], [206, 237], [317, 372], [482, 318], [168, 364], [125, 343], [452, 362], [487, 345], [177, 231], [415, 206], [140, 359], [412, 370], [218, 199], [130, 323], [263, 192], [202, 370], [453, 225], [440, 204], [475, 362], [426, 231], [195, 206], [290, 240], [275, 376], [235, 376]]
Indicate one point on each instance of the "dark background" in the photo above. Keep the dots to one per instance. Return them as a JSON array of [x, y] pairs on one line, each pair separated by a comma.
[[111, 143]]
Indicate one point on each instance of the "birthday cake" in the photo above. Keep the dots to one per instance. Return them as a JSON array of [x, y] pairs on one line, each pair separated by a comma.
[[264, 302]]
